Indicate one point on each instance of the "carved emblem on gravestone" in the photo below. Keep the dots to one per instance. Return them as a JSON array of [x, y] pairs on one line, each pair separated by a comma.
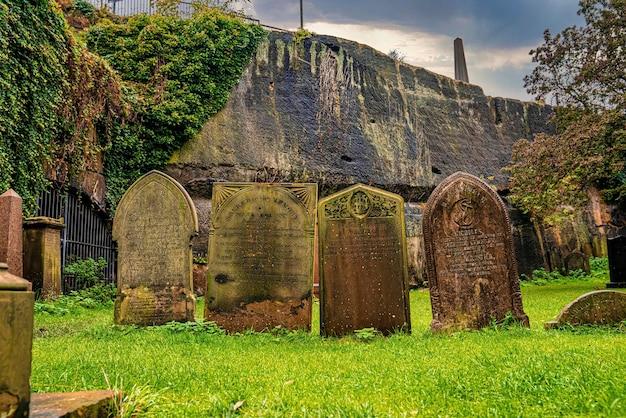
[[153, 227], [363, 262], [261, 256], [471, 265], [360, 204]]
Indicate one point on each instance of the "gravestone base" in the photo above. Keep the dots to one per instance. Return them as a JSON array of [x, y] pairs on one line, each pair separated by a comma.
[[145, 306], [616, 285], [264, 316], [91, 404]]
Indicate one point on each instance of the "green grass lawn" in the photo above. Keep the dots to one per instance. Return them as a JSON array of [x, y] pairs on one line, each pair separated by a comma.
[[494, 372]]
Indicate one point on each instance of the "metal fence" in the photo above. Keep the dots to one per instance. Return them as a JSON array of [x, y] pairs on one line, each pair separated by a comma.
[[184, 8], [87, 233], [135, 7]]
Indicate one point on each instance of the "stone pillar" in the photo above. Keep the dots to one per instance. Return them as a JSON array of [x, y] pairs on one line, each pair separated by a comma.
[[42, 254], [460, 67], [617, 262], [11, 231], [16, 330]]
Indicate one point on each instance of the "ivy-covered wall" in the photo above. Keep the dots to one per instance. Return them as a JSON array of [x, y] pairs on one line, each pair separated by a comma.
[[177, 73], [132, 89], [33, 53]]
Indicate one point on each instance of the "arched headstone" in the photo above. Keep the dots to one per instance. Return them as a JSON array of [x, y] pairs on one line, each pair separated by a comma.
[[577, 260], [472, 271], [260, 267], [153, 226], [601, 307], [363, 262]]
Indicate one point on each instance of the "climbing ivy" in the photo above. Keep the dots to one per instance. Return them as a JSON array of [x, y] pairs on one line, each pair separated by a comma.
[[58, 102], [33, 52], [177, 73]]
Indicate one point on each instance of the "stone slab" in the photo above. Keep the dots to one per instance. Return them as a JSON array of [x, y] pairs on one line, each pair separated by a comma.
[[260, 269], [616, 248], [153, 227], [11, 231], [87, 404], [472, 272], [363, 262], [602, 307]]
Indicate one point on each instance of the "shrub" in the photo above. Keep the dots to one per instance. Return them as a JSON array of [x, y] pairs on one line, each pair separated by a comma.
[[88, 271], [98, 296]]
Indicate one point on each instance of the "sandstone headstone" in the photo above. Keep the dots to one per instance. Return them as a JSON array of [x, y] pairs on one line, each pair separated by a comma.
[[616, 247], [16, 338], [363, 262], [11, 231], [42, 254], [472, 272], [261, 256], [153, 227], [576, 260], [602, 307]]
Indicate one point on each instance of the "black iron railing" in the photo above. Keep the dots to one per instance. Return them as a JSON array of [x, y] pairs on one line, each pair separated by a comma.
[[87, 233]]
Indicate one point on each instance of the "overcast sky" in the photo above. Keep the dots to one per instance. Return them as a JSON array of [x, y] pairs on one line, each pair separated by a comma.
[[498, 34]]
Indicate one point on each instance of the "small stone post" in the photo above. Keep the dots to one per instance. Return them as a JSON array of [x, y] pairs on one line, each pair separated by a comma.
[[16, 333], [42, 254], [11, 231]]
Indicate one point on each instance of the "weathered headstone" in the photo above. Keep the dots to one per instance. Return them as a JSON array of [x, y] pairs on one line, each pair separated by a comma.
[[617, 262], [576, 260], [602, 307], [42, 254], [11, 231], [261, 256], [153, 227], [363, 262], [472, 272], [16, 338]]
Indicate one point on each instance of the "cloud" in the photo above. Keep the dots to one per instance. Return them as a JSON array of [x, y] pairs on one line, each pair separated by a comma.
[[498, 34], [435, 53]]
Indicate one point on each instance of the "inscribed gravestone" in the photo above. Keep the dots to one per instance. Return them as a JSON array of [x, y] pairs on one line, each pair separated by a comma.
[[11, 231], [602, 307], [261, 256], [472, 272], [363, 262], [616, 249], [153, 226]]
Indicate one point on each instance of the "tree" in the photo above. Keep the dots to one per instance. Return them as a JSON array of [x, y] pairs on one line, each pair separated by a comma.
[[584, 66], [583, 71]]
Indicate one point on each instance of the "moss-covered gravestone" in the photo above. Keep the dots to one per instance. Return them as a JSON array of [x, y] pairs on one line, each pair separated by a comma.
[[601, 307], [363, 262], [153, 226], [261, 256], [16, 339], [472, 271]]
